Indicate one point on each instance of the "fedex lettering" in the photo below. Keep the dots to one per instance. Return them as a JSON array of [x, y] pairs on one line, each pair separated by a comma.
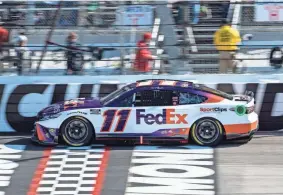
[[168, 116]]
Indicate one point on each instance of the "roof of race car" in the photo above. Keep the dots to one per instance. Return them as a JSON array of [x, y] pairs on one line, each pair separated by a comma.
[[163, 82]]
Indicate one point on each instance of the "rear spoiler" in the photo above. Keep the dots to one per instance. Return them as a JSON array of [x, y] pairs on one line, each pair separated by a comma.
[[249, 93]]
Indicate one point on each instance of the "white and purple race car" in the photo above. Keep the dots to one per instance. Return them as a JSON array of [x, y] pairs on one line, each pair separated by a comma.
[[150, 111]]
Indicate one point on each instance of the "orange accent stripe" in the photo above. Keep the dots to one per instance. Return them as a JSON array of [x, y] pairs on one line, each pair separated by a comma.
[[101, 173], [39, 133], [214, 99], [39, 172], [240, 128], [186, 132], [173, 83]]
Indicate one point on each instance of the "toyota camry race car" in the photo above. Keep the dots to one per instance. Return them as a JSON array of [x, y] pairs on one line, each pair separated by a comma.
[[149, 111]]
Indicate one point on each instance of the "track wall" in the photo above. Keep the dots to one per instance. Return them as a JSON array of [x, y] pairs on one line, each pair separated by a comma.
[[22, 97]]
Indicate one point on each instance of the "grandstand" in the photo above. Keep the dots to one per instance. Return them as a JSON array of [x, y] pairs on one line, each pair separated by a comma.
[[182, 44]]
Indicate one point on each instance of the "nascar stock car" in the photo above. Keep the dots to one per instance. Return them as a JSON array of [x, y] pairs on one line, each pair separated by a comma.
[[150, 111]]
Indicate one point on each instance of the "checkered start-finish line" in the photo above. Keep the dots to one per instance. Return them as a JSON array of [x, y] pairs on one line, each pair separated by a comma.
[[70, 170]]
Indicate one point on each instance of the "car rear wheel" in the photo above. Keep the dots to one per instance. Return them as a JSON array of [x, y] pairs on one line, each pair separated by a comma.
[[207, 132], [77, 131]]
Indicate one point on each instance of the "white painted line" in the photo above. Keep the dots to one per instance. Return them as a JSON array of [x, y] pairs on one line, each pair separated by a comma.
[[192, 39], [47, 175], [66, 155], [88, 181], [93, 175], [93, 163], [70, 172], [75, 159], [47, 182], [60, 151], [44, 189], [6, 172], [5, 178], [91, 168], [177, 180], [68, 178], [72, 166], [52, 169], [189, 151], [85, 189], [170, 155], [10, 156], [62, 192], [161, 161], [4, 183], [65, 185], [54, 163]]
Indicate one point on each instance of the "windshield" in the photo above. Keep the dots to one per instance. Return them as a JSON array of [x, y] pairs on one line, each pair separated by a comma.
[[116, 94], [214, 91]]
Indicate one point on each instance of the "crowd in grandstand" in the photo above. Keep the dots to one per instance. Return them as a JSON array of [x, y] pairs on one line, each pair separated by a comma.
[[195, 15]]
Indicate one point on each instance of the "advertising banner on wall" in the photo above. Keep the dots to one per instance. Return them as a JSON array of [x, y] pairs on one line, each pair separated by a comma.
[[22, 98], [271, 11], [140, 16]]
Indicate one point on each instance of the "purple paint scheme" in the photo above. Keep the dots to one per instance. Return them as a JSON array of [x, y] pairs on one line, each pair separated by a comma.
[[159, 133], [50, 135], [61, 106]]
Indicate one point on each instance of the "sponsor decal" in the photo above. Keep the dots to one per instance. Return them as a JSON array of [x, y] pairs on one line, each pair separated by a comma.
[[168, 116], [77, 112], [95, 111], [217, 109], [240, 110]]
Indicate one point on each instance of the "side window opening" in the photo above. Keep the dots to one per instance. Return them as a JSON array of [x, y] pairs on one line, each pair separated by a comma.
[[190, 98], [126, 102], [154, 98]]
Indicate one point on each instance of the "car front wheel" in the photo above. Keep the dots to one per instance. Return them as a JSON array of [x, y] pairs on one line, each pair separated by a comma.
[[77, 131], [207, 132]]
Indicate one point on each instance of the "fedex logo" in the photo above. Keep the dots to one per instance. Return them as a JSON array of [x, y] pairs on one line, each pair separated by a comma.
[[168, 116]]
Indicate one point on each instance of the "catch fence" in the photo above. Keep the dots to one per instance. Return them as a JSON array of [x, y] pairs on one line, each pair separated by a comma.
[[101, 24]]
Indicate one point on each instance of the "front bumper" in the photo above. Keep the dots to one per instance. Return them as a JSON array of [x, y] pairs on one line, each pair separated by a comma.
[[45, 136]]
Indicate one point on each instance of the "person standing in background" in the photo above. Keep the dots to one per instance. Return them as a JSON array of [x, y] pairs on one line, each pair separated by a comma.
[[73, 54], [143, 55], [226, 40], [4, 38], [22, 51]]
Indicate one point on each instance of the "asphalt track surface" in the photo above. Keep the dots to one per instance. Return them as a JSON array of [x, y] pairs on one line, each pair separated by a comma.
[[230, 169]]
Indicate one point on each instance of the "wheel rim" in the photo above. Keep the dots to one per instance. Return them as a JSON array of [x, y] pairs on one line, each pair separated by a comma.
[[76, 131], [207, 131]]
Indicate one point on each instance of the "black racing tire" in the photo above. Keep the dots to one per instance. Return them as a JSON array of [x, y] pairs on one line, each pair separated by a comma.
[[77, 131], [207, 132]]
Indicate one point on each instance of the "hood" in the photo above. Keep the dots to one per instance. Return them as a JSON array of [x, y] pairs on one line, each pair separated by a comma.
[[73, 104]]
